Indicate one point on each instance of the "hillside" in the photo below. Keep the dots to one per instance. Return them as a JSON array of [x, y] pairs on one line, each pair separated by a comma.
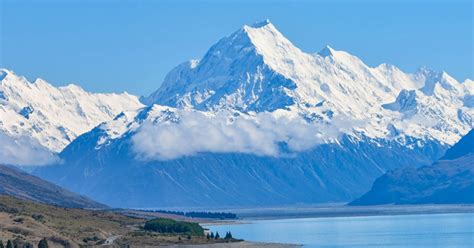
[[22, 185], [449, 180], [30, 222], [25, 222]]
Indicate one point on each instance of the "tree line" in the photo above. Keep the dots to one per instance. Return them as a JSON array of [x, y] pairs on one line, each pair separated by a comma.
[[228, 235], [204, 215]]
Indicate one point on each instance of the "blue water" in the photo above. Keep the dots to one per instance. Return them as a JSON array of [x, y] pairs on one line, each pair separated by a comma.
[[431, 230]]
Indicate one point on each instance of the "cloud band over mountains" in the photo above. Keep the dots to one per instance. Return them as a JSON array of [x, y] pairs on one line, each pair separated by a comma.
[[262, 134], [24, 151]]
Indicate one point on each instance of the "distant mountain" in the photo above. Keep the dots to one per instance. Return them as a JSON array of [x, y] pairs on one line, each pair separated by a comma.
[[54, 116], [22, 185], [257, 121], [450, 180]]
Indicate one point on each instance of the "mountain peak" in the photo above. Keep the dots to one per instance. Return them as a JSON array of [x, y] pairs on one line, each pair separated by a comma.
[[326, 51], [4, 73], [432, 79], [264, 29], [248, 70], [261, 24]]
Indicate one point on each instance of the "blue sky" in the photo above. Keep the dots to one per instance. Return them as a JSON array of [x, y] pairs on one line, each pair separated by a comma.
[[112, 46]]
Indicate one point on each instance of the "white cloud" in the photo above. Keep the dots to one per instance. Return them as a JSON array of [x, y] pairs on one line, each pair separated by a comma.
[[24, 151], [198, 132]]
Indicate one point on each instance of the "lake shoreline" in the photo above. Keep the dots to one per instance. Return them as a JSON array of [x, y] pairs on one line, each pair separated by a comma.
[[334, 211], [410, 230], [243, 244]]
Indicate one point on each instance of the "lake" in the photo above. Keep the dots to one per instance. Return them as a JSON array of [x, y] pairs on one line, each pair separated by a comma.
[[424, 230]]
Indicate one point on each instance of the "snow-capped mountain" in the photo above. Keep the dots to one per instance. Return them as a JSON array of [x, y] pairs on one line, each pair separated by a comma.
[[54, 116], [258, 121], [258, 69]]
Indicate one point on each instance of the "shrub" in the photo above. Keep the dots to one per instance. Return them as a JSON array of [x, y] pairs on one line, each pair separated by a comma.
[[43, 243]]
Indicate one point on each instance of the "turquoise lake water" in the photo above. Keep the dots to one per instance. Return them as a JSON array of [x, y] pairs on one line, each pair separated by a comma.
[[430, 230]]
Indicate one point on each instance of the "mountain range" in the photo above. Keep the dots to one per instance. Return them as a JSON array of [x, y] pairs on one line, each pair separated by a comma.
[[37, 120], [256, 121]]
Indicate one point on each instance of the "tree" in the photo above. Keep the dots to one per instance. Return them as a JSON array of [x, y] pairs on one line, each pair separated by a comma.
[[212, 235], [207, 237], [9, 244], [228, 235], [1, 244], [43, 243], [217, 235], [189, 237]]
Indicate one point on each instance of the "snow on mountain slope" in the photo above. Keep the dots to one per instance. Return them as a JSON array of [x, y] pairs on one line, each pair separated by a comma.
[[54, 116], [258, 69], [259, 122], [166, 157]]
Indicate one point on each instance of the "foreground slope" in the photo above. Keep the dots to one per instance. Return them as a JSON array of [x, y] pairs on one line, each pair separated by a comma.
[[25, 222], [25, 186], [449, 180], [29, 222]]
